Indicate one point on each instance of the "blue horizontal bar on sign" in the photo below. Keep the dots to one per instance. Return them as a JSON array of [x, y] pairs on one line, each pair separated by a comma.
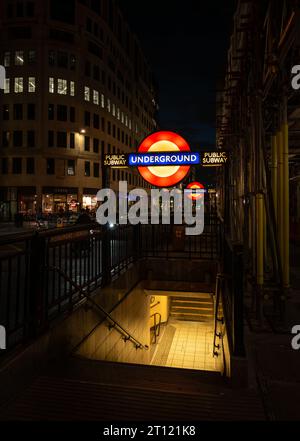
[[163, 158]]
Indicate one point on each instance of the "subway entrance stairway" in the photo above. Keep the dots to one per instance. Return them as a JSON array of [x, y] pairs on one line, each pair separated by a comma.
[[80, 349]]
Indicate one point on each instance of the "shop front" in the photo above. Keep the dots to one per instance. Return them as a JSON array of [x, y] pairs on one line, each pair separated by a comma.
[[89, 199], [8, 203], [59, 200], [27, 200]]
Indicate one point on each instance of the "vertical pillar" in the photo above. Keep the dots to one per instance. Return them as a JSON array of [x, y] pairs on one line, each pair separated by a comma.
[[39, 199], [280, 190], [260, 239], [274, 166], [285, 205]]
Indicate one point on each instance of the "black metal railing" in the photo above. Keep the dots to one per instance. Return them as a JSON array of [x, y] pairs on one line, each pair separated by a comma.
[[156, 326], [232, 295], [31, 295], [113, 324]]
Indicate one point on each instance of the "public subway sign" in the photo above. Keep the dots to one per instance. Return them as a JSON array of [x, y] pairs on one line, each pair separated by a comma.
[[116, 160], [214, 159], [164, 159]]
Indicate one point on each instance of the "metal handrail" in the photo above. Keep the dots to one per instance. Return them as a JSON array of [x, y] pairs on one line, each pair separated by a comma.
[[156, 325], [115, 324], [219, 280], [155, 304]]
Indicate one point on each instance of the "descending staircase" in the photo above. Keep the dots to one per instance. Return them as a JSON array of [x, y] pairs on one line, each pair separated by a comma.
[[78, 389], [199, 308]]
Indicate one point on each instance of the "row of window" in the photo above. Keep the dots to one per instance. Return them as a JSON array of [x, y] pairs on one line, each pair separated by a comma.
[[70, 167], [18, 111], [90, 169], [19, 58], [20, 9], [17, 166], [92, 95], [64, 87], [19, 138], [20, 84]]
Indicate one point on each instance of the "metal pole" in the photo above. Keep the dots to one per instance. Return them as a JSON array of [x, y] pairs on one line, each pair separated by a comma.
[[280, 190], [274, 171], [286, 201], [260, 239]]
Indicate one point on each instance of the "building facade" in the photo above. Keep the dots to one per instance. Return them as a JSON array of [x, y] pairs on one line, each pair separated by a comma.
[[77, 86]]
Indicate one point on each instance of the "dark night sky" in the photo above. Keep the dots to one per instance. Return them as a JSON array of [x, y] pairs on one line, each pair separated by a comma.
[[186, 44]]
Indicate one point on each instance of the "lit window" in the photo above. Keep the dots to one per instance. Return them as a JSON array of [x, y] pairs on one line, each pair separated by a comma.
[[96, 97], [62, 87], [19, 86], [31, 84], [51, 85], [6, 59], [114, 110], [122, 117], [87, 96], [108, 105], [71, 167], [126, 120], [118, 113], [102, 101], [7, 85], [19, 58], [72, 88]]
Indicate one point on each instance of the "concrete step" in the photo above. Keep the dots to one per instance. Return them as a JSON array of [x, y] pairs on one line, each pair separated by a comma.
[[187, 308], [192, 317], [85, 390], [193, 309]]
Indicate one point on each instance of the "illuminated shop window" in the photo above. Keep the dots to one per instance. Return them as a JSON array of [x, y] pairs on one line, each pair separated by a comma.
[[62, 87], [7, 85], [87, 94], [102, 101], [96, 97], [19, 85], [19, 58], [72, 88], [6, 60], [31, 84], [51, 85]]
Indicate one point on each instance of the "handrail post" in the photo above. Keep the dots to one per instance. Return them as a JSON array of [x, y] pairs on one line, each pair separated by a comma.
[[37, 304], [106, 256]]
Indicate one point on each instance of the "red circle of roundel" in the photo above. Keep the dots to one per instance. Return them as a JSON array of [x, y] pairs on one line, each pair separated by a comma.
[[195, 185], [183, 170]]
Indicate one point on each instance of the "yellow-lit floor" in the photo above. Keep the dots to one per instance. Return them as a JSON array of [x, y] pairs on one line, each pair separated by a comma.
[[189, 346]]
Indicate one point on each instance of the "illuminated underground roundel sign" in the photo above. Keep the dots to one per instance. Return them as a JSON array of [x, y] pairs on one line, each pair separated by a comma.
[[164, 159], [196, 186]]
